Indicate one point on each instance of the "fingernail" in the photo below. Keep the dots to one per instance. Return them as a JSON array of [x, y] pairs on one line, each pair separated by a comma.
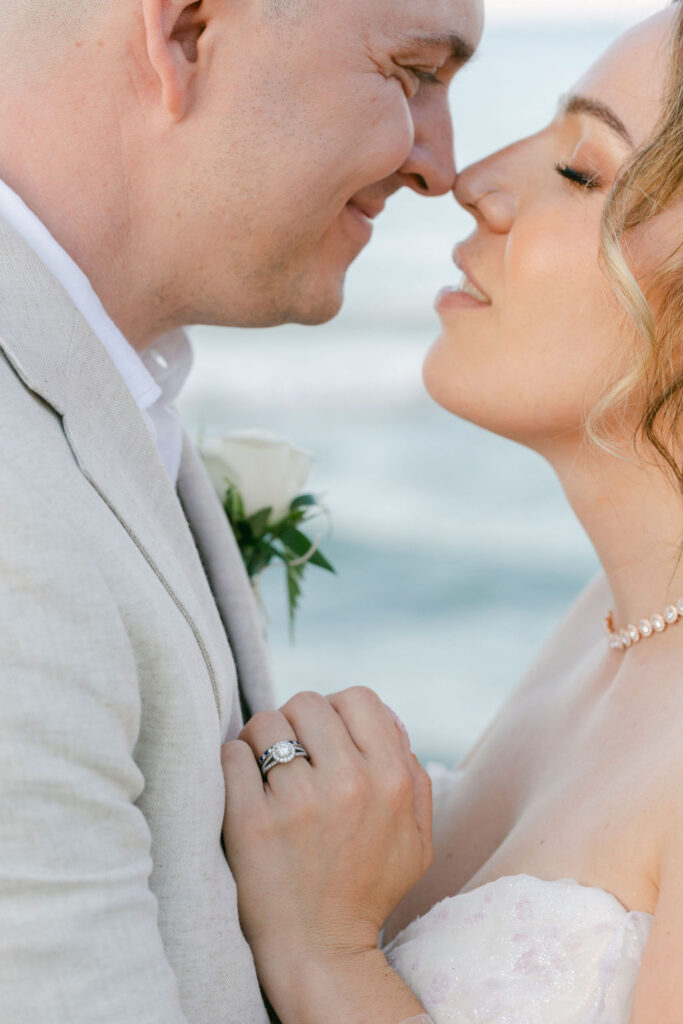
[[398, 721]]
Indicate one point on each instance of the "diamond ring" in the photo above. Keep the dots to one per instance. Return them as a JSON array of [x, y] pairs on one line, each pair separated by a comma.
[[281, 752]]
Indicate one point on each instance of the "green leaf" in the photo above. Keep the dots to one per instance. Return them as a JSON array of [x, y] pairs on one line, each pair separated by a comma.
[[273, 551], [318, 558], [258, 560], [259, 521], [304, 501], [261, 541], [233, 504], [295, 517], [277, 529], [301, 545], [297, 541], [293, 594]]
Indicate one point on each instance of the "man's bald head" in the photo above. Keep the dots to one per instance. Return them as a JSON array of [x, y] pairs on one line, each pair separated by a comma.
[[61, 18], [221, 162], [50, 16], [38, 30]]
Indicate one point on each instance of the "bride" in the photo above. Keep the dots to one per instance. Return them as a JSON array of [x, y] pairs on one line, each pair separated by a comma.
[[555, 892]]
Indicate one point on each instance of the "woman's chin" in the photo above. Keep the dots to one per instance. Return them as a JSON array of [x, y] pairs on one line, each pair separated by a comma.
[[450, 392], [445, 382], [480, 402]]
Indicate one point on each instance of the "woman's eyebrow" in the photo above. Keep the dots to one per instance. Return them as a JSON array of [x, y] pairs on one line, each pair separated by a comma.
[[575, 104]]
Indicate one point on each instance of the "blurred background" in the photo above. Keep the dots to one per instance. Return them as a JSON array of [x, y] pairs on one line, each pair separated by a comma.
[[455, 550]]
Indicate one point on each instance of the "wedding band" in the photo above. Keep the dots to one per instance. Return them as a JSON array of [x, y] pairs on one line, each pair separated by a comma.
[[281, 752]]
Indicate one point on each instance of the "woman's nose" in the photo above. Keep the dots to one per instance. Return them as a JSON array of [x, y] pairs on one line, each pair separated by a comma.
[[481, 189]]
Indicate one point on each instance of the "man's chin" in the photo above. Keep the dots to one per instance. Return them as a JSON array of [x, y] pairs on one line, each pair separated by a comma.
[[318, 316], [313, 305], [312, 300]]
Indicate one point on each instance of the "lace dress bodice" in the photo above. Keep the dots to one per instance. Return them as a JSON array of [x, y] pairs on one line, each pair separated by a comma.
[[521, 950]]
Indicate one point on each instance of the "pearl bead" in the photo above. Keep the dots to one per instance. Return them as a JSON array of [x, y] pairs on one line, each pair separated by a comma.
[[622, 639], [671, 614]]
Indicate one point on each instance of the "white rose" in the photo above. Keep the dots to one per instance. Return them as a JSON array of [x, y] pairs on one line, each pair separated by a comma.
[[267, 470]]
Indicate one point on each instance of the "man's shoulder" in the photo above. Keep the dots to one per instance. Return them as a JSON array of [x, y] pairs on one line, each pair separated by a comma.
[[36, 463], [48, 507], [20, 406]]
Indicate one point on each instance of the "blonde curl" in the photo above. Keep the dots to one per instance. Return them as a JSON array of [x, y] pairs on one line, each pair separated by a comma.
[[650, 183]]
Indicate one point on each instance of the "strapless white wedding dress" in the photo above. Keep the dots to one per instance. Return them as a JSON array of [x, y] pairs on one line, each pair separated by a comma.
[[521, 950]]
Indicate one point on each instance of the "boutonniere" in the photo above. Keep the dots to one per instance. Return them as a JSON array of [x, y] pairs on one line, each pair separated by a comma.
[[260, 480]]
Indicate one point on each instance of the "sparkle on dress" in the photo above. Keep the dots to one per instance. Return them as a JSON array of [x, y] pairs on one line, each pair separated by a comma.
[[521, 950]]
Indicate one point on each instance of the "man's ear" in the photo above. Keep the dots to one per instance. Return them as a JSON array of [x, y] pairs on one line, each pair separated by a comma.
[[172, 31]]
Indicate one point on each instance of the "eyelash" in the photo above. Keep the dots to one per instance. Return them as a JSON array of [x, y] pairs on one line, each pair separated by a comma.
[[429, 77], [587, 181], [425, 76]]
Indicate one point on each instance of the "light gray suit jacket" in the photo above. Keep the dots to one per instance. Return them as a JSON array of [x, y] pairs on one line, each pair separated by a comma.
[[125, 620]]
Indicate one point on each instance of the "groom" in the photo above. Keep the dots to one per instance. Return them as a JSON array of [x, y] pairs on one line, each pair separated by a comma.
[[161, 163]]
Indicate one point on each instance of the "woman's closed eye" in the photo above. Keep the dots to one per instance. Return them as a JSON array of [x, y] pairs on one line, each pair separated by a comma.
[[581, 178]]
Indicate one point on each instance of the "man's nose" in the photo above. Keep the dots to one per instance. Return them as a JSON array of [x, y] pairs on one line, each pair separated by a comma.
[[430, 167]]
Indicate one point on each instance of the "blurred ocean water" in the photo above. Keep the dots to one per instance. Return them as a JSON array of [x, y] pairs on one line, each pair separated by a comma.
[[456, 551]]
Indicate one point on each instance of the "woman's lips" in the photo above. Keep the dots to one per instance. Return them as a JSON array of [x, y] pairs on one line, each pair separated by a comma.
[[470, 288], [466, 295]]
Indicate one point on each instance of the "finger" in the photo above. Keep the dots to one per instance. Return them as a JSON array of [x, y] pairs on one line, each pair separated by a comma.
[[264, 731], [370, 724], [321, 731], [400, 726], [243, 784], [266, 728]]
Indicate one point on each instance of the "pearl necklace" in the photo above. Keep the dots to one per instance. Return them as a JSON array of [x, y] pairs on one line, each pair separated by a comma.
[[621, 640]]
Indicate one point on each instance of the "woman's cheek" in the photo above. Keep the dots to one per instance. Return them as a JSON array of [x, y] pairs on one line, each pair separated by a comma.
[[552, 277], [525, 367]]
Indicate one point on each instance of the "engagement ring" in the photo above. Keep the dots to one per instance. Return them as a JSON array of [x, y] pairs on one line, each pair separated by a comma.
[[281, 752]]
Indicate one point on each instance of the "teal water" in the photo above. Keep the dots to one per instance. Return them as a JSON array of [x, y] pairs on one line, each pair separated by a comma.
[[456, 551]]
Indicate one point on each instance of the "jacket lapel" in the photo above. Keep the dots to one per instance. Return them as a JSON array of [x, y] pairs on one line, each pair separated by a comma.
[[56, 354], [228, 579]]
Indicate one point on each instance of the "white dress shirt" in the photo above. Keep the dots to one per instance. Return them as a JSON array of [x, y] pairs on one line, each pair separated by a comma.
[[156, 376]]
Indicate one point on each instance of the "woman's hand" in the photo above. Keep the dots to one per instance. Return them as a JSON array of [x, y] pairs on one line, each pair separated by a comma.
[[325, 849]]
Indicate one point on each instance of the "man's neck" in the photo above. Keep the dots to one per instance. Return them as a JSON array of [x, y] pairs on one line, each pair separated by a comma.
[[85, 199]]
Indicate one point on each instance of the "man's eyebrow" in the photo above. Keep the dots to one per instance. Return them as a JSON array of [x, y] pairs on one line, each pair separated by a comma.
[[459, 50], [574, 104]]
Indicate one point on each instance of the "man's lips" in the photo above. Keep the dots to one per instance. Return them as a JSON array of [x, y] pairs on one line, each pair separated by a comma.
[[367, 208], [360, 215]]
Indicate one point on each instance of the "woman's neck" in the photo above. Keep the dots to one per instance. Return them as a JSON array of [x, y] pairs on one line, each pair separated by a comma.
[[633, 514]]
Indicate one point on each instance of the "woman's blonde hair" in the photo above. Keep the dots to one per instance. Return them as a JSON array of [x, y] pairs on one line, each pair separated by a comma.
[[651, 182]]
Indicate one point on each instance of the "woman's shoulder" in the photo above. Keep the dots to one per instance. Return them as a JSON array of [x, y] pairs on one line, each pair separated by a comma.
[[532, 706], [566, 655], [574, 643]]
